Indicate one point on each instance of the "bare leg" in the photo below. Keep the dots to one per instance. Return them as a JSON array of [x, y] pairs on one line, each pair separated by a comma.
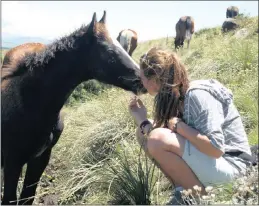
[[143, 143], [167, 149]]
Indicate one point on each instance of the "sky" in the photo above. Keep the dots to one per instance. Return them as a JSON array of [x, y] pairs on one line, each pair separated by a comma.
[[150, 19]]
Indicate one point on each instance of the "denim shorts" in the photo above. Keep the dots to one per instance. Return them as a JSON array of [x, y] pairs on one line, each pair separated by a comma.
[[210, 171]]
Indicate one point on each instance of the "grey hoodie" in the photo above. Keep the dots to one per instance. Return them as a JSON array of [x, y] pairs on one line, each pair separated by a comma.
[[209, 108]]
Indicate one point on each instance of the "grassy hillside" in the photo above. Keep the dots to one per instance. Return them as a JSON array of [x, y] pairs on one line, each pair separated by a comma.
[[98, 160]]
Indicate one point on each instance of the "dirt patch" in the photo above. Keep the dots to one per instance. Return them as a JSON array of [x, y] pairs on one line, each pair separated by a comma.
[[51, 199]]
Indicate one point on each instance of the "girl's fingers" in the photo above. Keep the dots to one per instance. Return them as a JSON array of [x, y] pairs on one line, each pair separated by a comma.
[[140, 102], [133, 103]]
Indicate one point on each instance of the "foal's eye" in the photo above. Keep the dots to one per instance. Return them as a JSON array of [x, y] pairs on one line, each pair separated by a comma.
[[111, 51]]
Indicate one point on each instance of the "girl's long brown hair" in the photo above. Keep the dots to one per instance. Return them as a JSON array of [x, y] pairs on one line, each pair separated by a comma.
[[172, 76]]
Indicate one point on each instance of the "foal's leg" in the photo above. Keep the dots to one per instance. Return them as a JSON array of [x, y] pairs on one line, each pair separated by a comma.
[[35, 168], [12, 170], [58, 129], [2, 171]]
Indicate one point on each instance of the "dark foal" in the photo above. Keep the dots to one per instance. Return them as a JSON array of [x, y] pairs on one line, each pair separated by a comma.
[[34, 89]]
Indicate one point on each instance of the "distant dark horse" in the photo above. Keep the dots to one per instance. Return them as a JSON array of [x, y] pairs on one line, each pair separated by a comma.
[[34, 89], [128, 39], [229, 24], [232, 12], [184, 30]]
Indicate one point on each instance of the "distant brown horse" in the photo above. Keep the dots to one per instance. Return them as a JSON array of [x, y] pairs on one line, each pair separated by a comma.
[[184, 30], [232, 12], [128, 39], [37, 81]]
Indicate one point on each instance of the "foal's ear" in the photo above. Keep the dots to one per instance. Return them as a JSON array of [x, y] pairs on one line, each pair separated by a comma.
[[103, 19], [93, 23]]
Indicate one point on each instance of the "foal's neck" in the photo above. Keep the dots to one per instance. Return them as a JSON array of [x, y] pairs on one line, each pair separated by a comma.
[[61, 71]]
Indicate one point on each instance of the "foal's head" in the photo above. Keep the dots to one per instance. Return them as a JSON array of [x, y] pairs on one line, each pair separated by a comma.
[[110, 63]]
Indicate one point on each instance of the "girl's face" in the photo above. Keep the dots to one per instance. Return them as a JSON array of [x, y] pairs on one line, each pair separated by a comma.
[[151, 85]]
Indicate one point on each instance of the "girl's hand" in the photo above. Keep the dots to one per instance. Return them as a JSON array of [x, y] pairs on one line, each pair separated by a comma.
[[172, 123], [137, 110]]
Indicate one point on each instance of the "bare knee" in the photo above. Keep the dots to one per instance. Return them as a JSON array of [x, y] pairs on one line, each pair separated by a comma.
[[155, 141], [162, 139]]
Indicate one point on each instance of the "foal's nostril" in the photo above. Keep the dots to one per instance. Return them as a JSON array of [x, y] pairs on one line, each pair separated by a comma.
[[143, 90]]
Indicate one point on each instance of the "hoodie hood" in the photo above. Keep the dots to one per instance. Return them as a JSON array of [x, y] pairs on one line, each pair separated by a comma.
[[215, 88]]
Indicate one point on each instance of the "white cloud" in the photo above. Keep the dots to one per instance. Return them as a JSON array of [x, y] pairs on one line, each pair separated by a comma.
[[53, 19], [22, 19]]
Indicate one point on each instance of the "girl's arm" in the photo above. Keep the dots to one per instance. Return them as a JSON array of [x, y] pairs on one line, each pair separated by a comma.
[[201, 142], [207, 118]]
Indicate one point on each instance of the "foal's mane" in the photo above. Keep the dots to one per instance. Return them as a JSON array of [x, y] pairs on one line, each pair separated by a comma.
[[40, 58]]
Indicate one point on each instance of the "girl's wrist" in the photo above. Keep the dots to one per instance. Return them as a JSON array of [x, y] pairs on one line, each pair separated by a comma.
[[178, 127], [140, 121], [175, 126], [182, 129], [145, 126]]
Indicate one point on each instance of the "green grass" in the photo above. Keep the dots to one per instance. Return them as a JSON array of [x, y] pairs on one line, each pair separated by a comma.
[[3, 52], [97, 159]]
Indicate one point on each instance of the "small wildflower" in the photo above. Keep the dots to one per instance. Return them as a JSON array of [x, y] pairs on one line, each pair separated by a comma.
[[252, 187], [208, 189], [246, 188], [189, 191], [205, 197], [185, 192], [213, 195], [195, 187]]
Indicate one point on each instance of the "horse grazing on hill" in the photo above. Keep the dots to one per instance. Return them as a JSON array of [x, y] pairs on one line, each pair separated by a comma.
[[37, 81], [184, 30], [232, 12], [229, 24], [128, 39]]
